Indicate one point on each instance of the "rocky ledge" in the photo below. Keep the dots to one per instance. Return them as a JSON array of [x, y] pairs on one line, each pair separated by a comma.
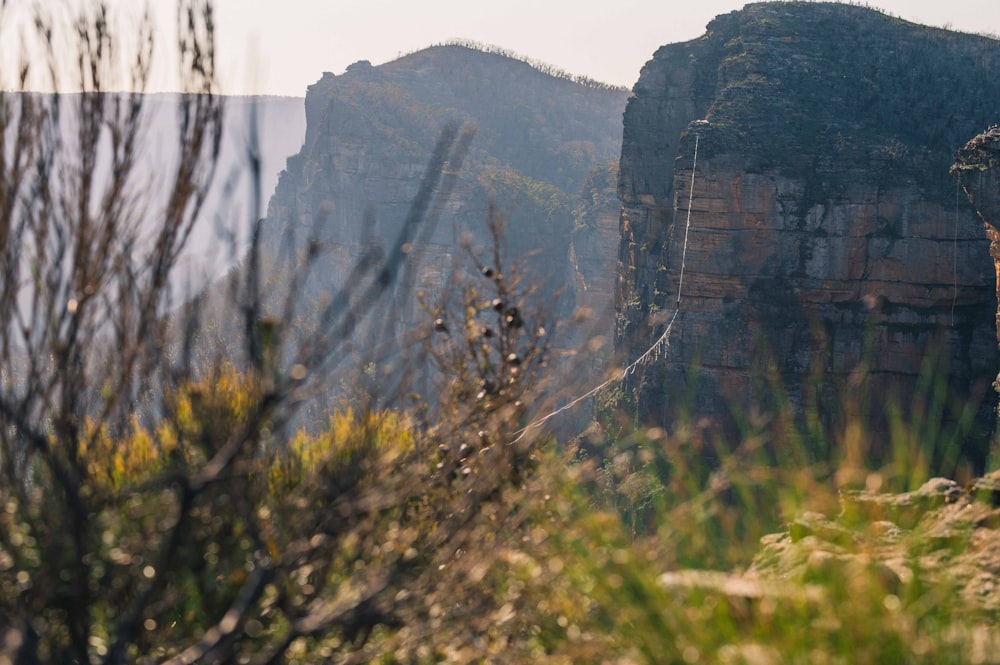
[[886, 560]]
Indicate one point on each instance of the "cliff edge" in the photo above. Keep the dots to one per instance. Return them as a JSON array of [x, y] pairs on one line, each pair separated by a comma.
[[541, 140], [831, 266], [976, 170]]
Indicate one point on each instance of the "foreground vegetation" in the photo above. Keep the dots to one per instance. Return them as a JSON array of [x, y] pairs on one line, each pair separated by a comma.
[[159, 503]]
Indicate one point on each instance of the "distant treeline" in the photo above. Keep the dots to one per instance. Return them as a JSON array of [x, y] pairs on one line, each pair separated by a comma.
[[947, 26], [543, 67]]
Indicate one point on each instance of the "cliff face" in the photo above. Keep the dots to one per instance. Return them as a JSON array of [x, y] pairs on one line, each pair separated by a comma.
[[370, 133], [830, 260], [593, 266], [977, 168]]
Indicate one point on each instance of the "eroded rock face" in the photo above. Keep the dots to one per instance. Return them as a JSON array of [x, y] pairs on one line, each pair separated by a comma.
[[830, 260], [976, 168], [945, 531], [371, 132], [593, 269]]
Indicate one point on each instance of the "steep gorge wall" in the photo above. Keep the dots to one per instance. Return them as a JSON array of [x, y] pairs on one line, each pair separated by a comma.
[[977, 168], [830, 259], [539, 140]]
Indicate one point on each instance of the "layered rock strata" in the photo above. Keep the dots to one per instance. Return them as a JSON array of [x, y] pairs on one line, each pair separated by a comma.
[[977, 169], [832, 271], [370, 134]]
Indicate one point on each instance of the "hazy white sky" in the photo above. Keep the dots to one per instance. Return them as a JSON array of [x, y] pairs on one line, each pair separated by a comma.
[[290, 43], [282, 46]]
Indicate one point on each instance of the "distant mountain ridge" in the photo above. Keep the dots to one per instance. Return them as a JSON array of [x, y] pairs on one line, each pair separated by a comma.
[[370, 132], [521, 113], [270, 127], [543, 67]]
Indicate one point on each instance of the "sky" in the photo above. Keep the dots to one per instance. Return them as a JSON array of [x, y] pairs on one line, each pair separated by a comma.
[[280, 47]]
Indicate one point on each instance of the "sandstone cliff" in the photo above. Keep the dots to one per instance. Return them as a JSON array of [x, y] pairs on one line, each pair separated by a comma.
[[370, 133], [977, 173], [830, 259], [976, 170]]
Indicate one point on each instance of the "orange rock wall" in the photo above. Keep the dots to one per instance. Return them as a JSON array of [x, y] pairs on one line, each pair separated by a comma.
[[833, 270]]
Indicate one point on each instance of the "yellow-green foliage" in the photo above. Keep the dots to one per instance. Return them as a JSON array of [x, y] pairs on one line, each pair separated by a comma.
[[133, 457], [348, 439], [209, 409], [204, 413]]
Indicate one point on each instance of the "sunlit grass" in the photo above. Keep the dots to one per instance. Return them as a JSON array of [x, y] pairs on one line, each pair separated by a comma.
[[681, 547]]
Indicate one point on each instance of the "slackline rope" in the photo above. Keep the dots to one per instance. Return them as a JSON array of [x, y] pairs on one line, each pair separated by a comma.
[[954, 254], [687, 226], [654, 351]]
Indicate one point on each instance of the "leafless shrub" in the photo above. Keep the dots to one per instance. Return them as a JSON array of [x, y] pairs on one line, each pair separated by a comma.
[[153, 505]]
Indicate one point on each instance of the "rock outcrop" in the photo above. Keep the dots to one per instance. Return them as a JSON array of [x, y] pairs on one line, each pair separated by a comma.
[[941, 534], [831, 261], [976, 168], [370, 134], [902, 574]]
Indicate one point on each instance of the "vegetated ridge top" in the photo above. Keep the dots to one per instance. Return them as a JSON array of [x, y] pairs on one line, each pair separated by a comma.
[[828, 86], [542, 124]]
